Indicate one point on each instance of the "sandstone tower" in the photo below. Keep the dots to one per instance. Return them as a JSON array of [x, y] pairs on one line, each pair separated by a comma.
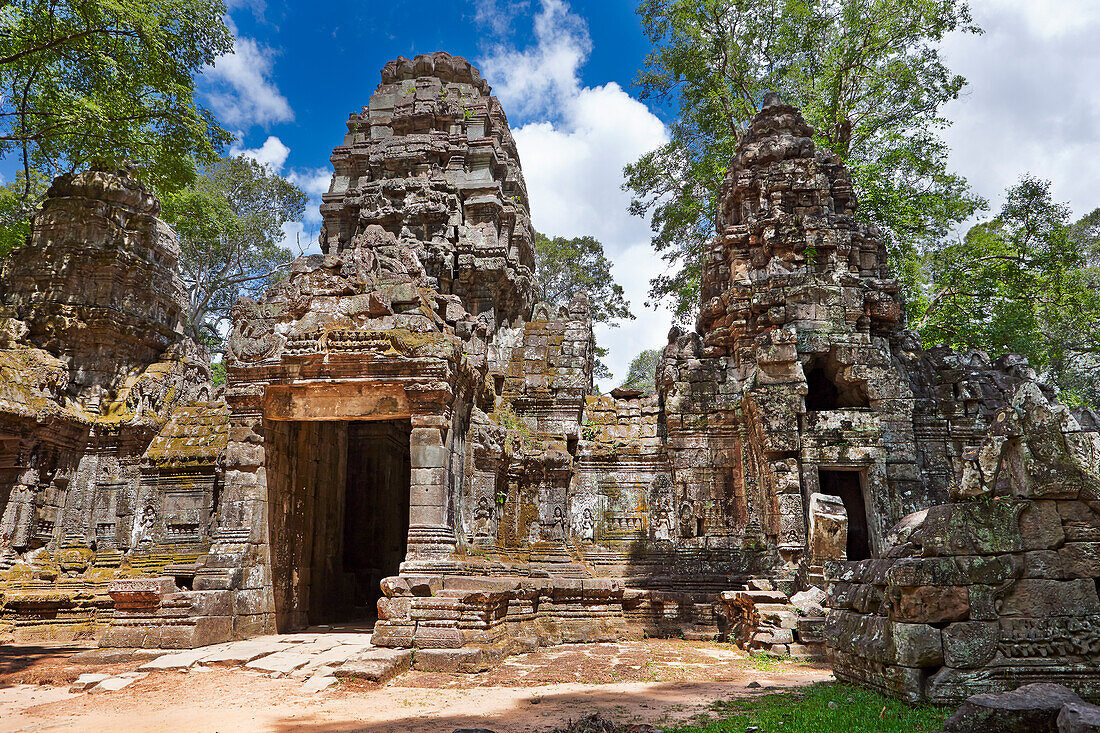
[[407, 433]]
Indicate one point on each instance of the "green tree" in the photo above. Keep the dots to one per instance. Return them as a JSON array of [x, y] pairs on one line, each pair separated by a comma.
[[643, 371], [564, 267], [230, 225], [867, 75], [109, 82], [12, 201], [1028, 281]]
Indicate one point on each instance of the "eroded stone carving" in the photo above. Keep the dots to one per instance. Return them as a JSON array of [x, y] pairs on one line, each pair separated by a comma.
[[94, 369], [405, 429], [999, 586]]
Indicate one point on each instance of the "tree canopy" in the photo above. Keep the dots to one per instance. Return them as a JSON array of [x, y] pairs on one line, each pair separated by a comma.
[[109, 82], [867, 75], [230, 225], [1027, 281], [642, 373], [564, 267]]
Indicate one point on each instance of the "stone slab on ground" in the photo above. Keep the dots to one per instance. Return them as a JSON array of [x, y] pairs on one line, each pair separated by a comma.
[[243, 652], [1031, 708], [175, 660], [283, 662], [1079, 717], [113, 684], [319, 682], [86, 681], [376, 665]]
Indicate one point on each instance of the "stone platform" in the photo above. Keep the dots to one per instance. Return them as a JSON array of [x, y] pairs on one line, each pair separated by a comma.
[[319, 657]]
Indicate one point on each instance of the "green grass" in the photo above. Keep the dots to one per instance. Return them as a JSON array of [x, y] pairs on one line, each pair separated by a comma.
[[767, 662], [807, 711]]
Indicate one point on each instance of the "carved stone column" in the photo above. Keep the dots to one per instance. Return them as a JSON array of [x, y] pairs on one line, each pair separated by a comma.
[[432, 539]]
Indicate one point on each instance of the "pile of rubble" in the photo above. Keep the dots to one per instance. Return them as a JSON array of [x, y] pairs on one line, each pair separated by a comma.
[[992, 591]]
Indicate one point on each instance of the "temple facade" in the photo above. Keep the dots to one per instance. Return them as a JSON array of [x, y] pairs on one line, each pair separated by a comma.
[[406, 434]]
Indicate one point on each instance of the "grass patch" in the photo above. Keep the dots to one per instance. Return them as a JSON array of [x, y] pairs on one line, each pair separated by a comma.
[[764, 662], [854, 710]]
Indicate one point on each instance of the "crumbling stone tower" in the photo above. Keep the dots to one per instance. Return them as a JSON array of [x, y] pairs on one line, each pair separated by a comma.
[[431, 158], [792, 384], [107, 432], [360, 388]]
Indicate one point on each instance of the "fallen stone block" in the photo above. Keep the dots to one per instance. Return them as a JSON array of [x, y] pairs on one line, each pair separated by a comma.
[[1032, 708], [1079, 717], [86, 681], [811, 602], [377, 665], [317, 683], [113, 684]]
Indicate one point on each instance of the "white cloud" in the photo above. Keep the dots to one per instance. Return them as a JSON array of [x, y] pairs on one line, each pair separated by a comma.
[[1030, 105], [573, 145], [239, 87], [314, 181], [540, 79], [273, 153], [498, 16]]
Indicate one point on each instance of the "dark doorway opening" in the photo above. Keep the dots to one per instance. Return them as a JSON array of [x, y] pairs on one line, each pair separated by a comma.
[[826, 391], [376, 522], [822, 393], [339, 508], [848, 485]]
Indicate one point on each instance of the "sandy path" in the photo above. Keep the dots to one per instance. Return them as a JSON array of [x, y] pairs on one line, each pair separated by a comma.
[[517, 697]]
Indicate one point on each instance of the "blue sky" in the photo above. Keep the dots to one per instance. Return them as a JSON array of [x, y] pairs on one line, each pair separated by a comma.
[[563, 70], [323, 59]]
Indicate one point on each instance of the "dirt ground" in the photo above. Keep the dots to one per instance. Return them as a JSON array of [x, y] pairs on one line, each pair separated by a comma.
[[654, 681]]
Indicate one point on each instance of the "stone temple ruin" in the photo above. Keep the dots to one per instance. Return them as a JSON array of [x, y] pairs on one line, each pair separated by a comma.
[[406, 434]]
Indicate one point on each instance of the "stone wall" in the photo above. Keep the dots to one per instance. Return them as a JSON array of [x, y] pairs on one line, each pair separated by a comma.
[[995, 590], [402, 418], [108, 435]]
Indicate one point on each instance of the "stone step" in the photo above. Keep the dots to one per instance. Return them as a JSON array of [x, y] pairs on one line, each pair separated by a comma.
[[376, 665]]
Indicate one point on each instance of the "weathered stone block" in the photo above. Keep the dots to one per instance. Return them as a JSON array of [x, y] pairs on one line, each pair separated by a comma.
[[929, 604], [1042, 598], [968, 644], [1029, 709]]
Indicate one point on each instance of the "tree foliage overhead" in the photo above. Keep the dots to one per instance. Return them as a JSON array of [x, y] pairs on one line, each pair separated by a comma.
[[13, 198], [1028, 282], [230, 223], [107, 82], [867, 75], [564, 267], [642, 373]]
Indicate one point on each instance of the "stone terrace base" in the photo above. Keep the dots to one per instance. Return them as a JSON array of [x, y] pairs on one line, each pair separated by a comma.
[[152, 613], [466, 623], [946, 637], [455, 623], [995, 590]]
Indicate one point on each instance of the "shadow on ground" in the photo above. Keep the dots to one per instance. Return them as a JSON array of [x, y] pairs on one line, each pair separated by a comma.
[[27, 659], [660, 704]]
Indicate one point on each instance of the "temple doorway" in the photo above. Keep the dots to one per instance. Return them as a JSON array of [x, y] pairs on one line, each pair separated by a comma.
[[339, 516], [376, 523], [848, 485]]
